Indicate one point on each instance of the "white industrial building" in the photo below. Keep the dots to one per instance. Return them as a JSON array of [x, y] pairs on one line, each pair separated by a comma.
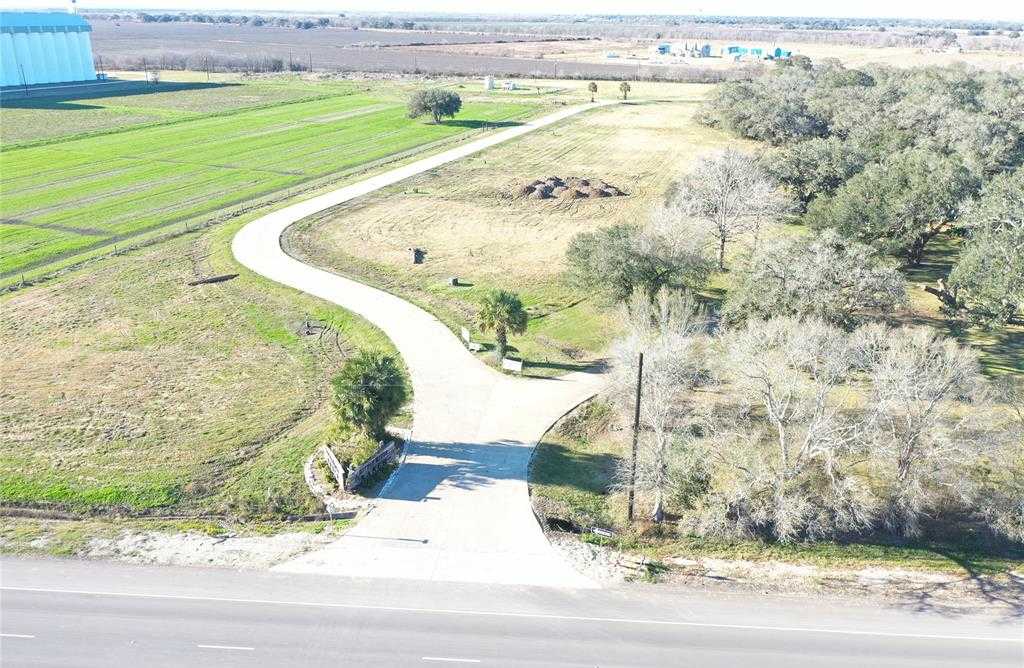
[[44, 48]]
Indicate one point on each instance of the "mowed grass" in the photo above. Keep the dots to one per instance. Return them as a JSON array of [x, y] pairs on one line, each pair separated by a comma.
[[124, 386], [64, 198], [122, 104], [462, 215]]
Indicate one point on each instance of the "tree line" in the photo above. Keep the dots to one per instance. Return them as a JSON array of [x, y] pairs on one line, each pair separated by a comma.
[[794, 407], [898, 160]]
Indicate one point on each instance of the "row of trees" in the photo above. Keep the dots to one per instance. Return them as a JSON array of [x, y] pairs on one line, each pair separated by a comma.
[[792, 428], [896, 159]]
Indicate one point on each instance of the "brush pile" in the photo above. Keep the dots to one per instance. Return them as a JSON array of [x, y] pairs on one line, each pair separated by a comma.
[[571, 187]]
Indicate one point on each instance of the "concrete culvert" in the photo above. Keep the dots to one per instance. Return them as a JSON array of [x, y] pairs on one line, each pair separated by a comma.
[[559, 524]]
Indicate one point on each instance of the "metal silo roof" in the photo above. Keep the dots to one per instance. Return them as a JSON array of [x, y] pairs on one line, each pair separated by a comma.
[[42, 22]]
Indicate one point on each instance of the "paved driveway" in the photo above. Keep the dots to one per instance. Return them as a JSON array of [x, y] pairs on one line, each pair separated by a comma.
[[458, 509]]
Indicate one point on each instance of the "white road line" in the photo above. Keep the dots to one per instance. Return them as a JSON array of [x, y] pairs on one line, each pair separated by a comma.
[[449, 659], [243, 649], [15, 635], [518, 615]]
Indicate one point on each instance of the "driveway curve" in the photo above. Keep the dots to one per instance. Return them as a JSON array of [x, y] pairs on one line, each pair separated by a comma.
[[458, 507]]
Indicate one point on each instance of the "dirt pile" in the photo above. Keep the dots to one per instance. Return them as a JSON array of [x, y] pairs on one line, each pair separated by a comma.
[[572, 187]]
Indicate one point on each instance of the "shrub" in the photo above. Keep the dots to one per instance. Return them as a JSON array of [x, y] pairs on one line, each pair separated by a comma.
[[369, 390]]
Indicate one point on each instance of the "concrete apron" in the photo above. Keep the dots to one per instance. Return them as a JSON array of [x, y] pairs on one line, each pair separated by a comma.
[[458, 508]]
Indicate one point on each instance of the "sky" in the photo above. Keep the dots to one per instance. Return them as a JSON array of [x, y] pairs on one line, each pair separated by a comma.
[[1012, 10]]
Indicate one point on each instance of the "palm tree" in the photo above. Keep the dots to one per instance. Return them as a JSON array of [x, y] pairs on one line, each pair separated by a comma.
[[503, 312], [593, 89], [624, 87]]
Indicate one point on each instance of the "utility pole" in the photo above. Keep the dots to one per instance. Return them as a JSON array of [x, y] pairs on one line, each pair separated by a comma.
[[310, 54], [636, 437]]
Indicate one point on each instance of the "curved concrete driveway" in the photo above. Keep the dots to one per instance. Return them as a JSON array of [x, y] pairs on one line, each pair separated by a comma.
[[458, 508]]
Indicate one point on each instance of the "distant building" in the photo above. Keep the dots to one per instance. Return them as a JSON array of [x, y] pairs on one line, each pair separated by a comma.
[[44, 48]]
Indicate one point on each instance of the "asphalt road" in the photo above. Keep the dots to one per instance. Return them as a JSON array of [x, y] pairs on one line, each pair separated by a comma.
[[72, 613]]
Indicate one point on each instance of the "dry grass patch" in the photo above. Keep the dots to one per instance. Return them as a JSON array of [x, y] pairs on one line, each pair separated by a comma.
[[462, 216]]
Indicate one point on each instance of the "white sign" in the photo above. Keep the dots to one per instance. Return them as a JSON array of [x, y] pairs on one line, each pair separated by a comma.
[[512, 365]]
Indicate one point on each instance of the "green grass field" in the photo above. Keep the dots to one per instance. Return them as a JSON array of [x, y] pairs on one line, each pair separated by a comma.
[[126, 387], [65, 197]]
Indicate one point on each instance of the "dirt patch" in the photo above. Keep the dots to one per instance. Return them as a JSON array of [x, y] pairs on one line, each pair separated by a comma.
[[570, 187], [195, 549]]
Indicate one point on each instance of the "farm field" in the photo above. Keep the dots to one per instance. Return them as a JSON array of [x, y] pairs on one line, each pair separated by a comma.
[[636, 53], [176, 46], [122, 102], [63, 198], [463, 216]]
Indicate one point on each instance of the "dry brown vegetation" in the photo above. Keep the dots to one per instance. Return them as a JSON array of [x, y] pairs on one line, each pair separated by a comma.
[[461, 215]]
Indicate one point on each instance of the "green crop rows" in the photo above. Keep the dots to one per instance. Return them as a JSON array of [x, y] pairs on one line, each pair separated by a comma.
[[63, 198]]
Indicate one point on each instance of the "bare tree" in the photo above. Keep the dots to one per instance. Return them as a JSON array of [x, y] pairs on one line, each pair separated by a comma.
[[730, 195], [784, 453], [927, 422], [826, 276], [672, 334]]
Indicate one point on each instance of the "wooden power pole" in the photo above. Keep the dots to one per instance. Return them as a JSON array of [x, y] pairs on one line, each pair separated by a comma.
[[636, 438]]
